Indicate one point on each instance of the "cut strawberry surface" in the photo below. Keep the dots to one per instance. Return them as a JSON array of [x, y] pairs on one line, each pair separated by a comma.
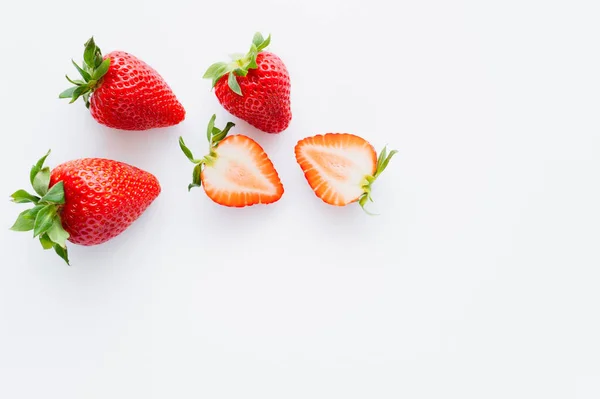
[[341, 167], [237, 172]]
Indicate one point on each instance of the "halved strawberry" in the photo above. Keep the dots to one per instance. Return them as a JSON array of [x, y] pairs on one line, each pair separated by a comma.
[[236, 172], [341, 167]]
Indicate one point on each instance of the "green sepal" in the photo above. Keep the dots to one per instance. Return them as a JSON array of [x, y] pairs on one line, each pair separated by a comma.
[[44, 220], [210, 128], [93, 70], [62, 252], [22, 197], [219, 135], [46, 241], [56, 194], [233, 84], [42, 181], [57, 233], [91, 53], [101, 70], [196, 176], [85, 75], [37, 167], [239, 66], [68, 93], [44, 217], [24, 222], [214, 136], [382, 162]]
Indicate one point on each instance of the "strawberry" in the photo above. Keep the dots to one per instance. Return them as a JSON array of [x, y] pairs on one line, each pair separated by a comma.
[[254, 87], [236, 172], [123, 91], [341, 167], [86, 201]]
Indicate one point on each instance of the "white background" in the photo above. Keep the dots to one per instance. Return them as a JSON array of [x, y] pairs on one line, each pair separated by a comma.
[[479, 279]]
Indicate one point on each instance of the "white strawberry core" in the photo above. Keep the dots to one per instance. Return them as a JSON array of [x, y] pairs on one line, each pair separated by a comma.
[[236, 170], [344, 169]]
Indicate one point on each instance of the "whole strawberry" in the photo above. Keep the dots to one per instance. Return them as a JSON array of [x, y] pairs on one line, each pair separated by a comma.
[[86, 201], [124, 92], [255, 87]]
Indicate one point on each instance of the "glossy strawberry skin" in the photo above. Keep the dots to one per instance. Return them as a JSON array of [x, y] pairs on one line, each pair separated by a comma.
[[102, 197], [133, 96], [265, 103]]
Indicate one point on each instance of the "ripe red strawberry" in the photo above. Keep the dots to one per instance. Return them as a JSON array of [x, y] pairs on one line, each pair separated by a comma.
[[341, 167], [87, 201], [123, 91], [236, 172], [255, 87]]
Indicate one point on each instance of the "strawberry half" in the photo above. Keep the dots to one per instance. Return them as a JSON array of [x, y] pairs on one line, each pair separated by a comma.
[[237, 172], [86, 201], [123, 92], [341, 167], [254, 87]]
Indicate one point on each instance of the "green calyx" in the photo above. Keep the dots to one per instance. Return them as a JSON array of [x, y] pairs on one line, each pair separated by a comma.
[[93, 69], [214, 136], [382, 162], [239, 66], [43, 218]]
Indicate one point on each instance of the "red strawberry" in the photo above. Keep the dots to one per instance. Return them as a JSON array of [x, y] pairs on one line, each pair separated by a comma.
[[87, 201], [255, 87], [236, 172], [123, 91], [341, 167]]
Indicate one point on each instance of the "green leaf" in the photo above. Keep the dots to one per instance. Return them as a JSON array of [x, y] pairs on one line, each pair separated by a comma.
[[46, 241], [67, 93], [381, 157], [41, 181], [37, 167], [101, 70], [86, 76], [363, 202], [86, 99], [264, 44], [196, 177], [233, 84], [260, 42], [24, 222], [57, 233], [210, 128], [89, 54], [76, 82], [32, 213], [44, 220], [22, 197], [56, 194], [62, 252], [241, 72], [251, 57], [78, 92], [222, 133], [385, 162], [214, 70], [186, 150], [258, 39]]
